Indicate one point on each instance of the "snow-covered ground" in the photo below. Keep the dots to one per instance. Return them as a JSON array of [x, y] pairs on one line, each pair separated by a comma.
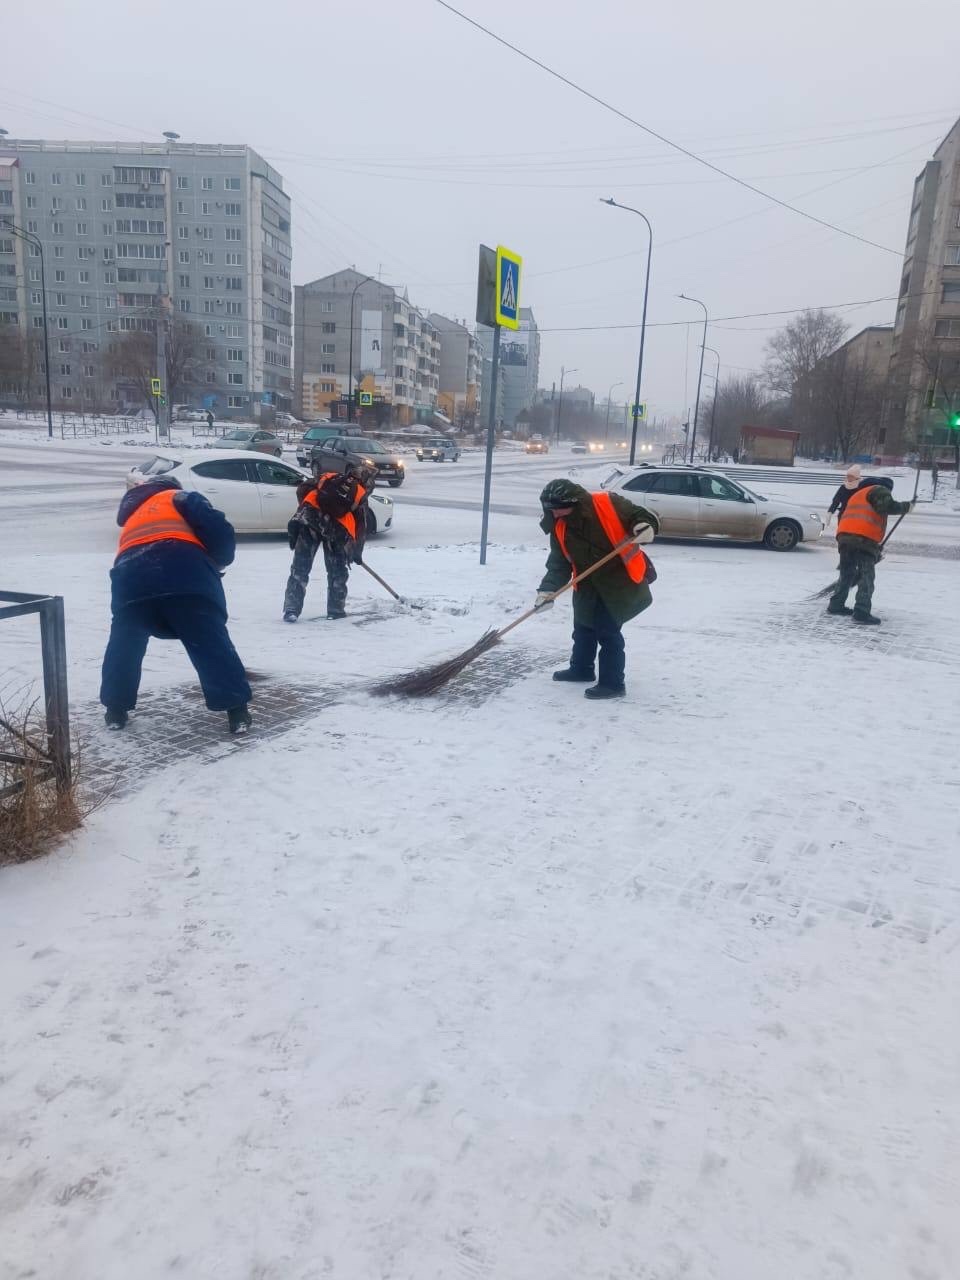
[[503, 984]]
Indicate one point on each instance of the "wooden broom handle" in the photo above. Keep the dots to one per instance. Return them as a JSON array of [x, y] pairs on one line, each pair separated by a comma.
[[386, 585], [622, 546]]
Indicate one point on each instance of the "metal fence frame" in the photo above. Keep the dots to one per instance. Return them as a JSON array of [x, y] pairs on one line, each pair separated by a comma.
[[55, 756]]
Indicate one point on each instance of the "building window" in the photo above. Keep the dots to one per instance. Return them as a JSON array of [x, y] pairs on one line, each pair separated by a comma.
[[235, 379], [953, 255], [183, 233], [84, 302], [56, 179], [206, 184], [60, 276], [183, 282], [233, 331], [59, 299], [231, 209], [81, 179], [234, 402], [67, 393], [58, 228], [30, 179], [86, 323], [209, 307], [206, 208], [106, 205], [183, 184], [947, 329], [183, 304], [63, 345], [234, 309], [327, 387], [33, 226], [209, 282], [183, 257], [232, 235], [36, 298], [328, 326], [82, 228], [211, 375], [326, 306], [83, 277], [106, 179], [181, 206], [328, 368], [64, 371], [31, 202], [206, 233], [89, 371], [107, 228], [81, 203], [951, 292], [235, 354], [109, 277], [328, 348], [56, 203], [231, 184], [38, 322], [233, 259], [34, 275], [58, 250], [205, 258], [235, 283]]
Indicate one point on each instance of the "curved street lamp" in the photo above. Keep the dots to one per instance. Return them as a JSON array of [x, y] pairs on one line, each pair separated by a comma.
[[643, 321], [713, 407], [696, 411]]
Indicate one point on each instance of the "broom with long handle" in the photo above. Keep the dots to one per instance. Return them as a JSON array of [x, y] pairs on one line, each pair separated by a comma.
[[829, 591], [417, 684], [387, 587]]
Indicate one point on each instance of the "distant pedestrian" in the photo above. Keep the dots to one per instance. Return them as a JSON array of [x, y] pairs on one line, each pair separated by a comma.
[[583, 528], [332, 514], [165, 582], [860, 532], [209, 419], [850, 483]]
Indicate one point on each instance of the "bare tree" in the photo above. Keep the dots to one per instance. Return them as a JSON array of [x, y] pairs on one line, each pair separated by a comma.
[[940, 362], [741, 401], [21, 364], [847, 400], [793, 353], [134, 358]]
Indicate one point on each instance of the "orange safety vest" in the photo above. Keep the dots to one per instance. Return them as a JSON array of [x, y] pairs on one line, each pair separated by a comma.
[[860, 518], [156, 520], [349, 521], [634, 561]]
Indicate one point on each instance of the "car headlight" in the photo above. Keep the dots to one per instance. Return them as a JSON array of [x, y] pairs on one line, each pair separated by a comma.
[[399, 464]]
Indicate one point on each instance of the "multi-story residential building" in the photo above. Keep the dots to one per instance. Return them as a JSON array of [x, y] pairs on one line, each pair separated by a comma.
[[131, 231], [394, 347], [461, 359], [924, 377], [519, 365]]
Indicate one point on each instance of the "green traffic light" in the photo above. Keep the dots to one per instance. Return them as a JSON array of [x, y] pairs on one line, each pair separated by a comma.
[[955, 421]]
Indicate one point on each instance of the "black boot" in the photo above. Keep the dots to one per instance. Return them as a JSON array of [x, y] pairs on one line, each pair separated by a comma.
[[865, 619], [836, 607], [115, 719], [238, 719], [290, 616], [574, 677], [336, 613], [605, 691]]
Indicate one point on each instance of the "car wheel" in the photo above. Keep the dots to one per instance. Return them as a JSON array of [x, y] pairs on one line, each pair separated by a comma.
[[371, 523], [395, 484], [438, 459], [782, 535]]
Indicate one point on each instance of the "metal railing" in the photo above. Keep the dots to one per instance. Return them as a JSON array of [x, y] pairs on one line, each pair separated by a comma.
[[53, 759]]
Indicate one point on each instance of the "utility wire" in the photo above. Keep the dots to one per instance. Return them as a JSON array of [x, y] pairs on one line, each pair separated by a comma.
[[692, 155]]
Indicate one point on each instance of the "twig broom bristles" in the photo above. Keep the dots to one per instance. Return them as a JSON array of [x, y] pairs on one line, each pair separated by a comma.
[[427, 680]]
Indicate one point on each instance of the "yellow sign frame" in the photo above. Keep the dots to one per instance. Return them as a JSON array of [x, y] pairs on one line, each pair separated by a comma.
[[509, 318]]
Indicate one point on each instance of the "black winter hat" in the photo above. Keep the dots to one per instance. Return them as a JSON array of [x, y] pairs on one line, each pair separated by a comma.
[[561, 493]]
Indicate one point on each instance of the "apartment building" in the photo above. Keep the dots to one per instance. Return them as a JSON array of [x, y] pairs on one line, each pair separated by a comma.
[[394, 348], [924, 369], [519, 365], [461, 360], [134, 230]]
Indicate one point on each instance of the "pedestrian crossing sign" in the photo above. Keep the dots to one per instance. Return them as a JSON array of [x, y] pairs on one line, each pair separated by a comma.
[[639, 411], [366, 398], [154, 386], [508, 288]]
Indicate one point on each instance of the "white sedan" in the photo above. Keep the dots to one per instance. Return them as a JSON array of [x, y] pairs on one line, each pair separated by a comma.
[[697, 502], [256, 494]]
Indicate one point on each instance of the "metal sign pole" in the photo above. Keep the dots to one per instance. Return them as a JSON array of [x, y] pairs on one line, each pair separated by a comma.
[[491, 433]]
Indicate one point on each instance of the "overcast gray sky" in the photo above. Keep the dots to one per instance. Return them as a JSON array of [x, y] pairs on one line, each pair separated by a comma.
[[406, 137]]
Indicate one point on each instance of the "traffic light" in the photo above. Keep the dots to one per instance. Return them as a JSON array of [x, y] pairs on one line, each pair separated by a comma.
[[163, 400], [953, 422]]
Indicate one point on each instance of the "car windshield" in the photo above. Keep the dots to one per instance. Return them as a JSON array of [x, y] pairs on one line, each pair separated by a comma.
[[318, 433], [357, 445], [752, 492], [237, 435]]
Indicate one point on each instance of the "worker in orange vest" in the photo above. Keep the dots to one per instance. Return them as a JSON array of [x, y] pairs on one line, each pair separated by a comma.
[[165, 582], [332, 514], [860, 531], [583, 528]]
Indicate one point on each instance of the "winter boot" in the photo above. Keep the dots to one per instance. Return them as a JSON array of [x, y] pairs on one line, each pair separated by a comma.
[[836, 607], [290, 616], [336, 613], [866, 619], [604, 691], [115, 719], [575, 677], [238, 719]]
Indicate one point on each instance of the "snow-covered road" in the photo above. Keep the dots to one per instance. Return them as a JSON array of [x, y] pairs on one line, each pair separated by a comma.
[[504, 984]]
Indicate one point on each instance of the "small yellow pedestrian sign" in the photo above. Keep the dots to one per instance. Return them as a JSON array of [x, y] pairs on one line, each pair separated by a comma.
[[366, 398], [155, 386], [508, 288]]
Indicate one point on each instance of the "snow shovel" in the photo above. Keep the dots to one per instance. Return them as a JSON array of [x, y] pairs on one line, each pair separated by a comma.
[[387, 587], [427, 680]]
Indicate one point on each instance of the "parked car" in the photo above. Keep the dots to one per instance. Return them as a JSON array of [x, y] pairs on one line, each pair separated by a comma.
[[251, 438], [257, 495], [537, 446], [185, 413], [438, 450], [336, 453], [316, 433], [697, 502], [286, 420]]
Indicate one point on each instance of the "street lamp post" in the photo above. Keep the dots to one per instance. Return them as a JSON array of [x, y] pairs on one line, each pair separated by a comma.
[[713, 407], [703, 347], [30, 238], [563, 374], [353, 298], [606, 424], [643, 324]]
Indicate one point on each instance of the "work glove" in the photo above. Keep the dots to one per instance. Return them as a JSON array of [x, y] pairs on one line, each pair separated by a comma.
[[543, 601], [356, 553], [642, 532]]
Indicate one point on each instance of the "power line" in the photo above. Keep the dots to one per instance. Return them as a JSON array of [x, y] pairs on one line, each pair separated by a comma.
[[783, 204]]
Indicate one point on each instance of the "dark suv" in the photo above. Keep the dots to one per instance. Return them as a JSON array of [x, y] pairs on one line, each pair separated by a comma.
[[316, 433], [336, 453]]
